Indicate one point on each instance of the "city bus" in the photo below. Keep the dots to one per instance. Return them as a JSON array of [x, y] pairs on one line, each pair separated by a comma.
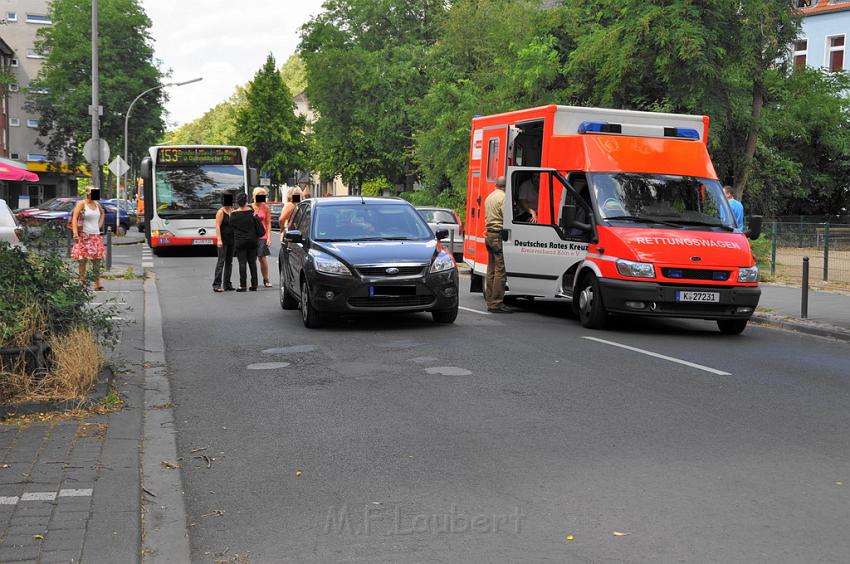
[[183, 186]]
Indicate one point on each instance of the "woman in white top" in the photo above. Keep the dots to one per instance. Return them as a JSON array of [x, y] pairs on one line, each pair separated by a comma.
[[86, 222]]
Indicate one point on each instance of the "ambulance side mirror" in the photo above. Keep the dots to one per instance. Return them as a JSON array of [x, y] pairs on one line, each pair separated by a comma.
[[754, 226], [568, 219]]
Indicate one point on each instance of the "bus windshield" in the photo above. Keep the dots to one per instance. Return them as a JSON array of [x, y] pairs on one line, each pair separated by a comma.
[[182, 190], [660, 199]]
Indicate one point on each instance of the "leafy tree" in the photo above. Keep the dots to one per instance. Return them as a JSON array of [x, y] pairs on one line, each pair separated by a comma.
[[216, 127], [266, 123], [294, 74], [365, 72], [61, 94]]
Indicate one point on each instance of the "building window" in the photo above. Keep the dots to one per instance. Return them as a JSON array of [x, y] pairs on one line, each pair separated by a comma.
[[835, 53], [36, 158], [801, 50], [13, 62], [32, 123], [34, 54], [14, 88], [11, 16], [39, 19], [15, 156], [14, 122]]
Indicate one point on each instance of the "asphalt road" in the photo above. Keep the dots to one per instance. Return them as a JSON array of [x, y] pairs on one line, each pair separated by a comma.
[[499, 438]]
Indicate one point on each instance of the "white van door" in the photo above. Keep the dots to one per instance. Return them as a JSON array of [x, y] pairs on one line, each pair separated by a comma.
[[537, 249]]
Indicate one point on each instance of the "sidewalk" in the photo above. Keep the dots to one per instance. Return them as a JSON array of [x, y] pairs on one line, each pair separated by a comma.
[[69, 489], [828, 315]]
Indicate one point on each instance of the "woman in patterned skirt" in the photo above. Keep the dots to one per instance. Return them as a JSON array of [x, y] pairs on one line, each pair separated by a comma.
[[87, 221]]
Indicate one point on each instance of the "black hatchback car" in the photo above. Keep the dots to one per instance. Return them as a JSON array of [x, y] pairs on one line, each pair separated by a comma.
[[364, 255]]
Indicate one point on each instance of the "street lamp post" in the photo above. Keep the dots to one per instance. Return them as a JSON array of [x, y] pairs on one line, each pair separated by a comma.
[[127, 119]]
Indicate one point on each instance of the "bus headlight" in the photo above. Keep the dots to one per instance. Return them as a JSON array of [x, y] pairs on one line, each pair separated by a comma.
[[748, 275], [444, 261], [161, 233], [327, 264], [635, 269]]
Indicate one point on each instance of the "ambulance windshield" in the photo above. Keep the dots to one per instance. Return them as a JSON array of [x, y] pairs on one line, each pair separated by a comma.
[[651, 199]]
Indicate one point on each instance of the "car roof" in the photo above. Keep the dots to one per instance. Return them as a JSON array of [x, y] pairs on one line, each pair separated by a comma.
[[344, 200]]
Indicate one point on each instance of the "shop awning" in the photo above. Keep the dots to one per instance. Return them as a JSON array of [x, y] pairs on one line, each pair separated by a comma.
[[16, 174]]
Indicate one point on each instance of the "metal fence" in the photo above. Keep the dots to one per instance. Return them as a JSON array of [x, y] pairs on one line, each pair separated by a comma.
[[826, 243]]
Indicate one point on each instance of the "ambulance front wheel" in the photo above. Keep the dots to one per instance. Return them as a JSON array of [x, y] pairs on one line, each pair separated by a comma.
[[591, 311], [476, 283], [732, 326]]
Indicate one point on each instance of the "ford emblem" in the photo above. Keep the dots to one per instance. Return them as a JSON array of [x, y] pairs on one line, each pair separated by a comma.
[[202, 231], [392, 270]]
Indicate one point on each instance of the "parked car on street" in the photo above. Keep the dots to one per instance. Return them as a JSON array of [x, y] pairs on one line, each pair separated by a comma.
[[363, 255], [62, 213], [275, 208], [10, 230], [445, 218], [24, 213], [127, 206]]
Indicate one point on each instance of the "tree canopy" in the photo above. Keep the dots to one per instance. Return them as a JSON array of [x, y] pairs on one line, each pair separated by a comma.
[[61, 94]]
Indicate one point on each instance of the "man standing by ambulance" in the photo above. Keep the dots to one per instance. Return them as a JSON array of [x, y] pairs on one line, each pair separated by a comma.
[[494, 287]]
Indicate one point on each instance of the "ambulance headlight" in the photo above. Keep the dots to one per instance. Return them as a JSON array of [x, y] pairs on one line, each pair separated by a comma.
[[635, 269], [750, 274], [444, 261]]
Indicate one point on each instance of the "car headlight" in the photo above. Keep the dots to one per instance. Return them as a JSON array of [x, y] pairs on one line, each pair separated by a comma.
[[161, 233], [635, 269], [328, 264], [750, 274], [444, 261]]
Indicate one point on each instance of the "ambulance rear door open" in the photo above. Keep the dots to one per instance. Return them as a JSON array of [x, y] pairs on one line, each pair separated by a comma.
[[538, 254]]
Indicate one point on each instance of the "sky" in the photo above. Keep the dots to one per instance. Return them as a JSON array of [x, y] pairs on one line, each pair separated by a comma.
[[224, 42]]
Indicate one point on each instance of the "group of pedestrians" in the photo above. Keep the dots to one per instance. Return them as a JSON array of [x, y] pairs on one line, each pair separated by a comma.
[[244, 231]]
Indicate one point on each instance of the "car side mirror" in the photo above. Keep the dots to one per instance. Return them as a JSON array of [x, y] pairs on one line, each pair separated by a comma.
[[293, 236], [441, 234], [754, 226]]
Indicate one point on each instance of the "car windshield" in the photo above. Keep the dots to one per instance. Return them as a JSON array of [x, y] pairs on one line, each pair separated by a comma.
[[437, 216], [369, 222], [182, 190], [64, 206], [647, 199]]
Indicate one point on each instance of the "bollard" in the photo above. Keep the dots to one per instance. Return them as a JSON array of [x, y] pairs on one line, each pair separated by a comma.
[[452, 242], [108, 249], [69, 240], [773, 249], [826, 252], [804, 306]]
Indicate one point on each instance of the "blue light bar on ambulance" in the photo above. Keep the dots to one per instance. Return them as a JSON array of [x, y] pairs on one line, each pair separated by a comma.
[[682, 132], [599, 127]]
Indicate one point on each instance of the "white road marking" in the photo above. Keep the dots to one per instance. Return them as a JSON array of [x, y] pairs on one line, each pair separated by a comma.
[[448, 371], [267, 365], [661, 356], [147, 265], [9, 500], [75, 493], [474, 310], [39, 496]]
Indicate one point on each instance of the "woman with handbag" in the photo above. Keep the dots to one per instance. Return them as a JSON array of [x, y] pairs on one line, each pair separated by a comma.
[[224, 240], [247, 231], [87, 220], [263, 213]]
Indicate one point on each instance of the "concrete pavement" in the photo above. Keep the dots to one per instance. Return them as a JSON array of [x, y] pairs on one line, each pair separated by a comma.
[[828, 312]]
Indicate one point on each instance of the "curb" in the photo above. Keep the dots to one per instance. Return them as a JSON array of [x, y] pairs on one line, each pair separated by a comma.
[[105, 379], [801, 326]]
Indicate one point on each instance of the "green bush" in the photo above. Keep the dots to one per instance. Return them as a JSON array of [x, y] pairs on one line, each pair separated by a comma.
[[376, 187], [761, 251]]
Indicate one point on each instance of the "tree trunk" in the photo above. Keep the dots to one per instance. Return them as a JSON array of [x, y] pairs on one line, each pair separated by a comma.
[[752, 140]]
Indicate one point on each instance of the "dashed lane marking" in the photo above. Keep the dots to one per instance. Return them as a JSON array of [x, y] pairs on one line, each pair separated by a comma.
[[39, 496], [661, 356], [474, 310], [75, 493], [45, 496]]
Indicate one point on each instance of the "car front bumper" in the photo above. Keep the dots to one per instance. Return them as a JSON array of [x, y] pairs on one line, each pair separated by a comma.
[[355, 294], [659, 300]]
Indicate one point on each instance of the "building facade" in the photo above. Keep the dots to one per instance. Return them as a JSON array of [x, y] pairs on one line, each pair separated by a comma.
[[22, 20], [823, 41]]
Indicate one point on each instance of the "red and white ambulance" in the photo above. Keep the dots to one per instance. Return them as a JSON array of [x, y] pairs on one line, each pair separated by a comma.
[[619, 212]]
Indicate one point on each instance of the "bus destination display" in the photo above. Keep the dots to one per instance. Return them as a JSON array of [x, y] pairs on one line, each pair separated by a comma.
[[199, 156]]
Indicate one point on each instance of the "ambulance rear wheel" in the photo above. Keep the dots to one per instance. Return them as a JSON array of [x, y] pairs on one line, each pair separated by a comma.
[[732, 326], [591, 311]]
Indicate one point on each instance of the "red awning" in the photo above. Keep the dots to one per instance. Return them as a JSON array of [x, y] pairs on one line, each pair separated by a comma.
[[15, 174]]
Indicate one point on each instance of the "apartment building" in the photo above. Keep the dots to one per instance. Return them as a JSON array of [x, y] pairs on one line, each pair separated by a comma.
[[823, 39], [22, 19]]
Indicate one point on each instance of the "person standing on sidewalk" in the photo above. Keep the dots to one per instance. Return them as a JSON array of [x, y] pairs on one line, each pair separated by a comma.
[[292, 200], [224, 240], [246, 238], [494, 287], [87, 220], [737, 207], [264, 214]]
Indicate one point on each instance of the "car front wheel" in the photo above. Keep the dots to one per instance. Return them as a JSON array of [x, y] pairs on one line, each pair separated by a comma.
[[445, 315], [287, 300], [311, 318]]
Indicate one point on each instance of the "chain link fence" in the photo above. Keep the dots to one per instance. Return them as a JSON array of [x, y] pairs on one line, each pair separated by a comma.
[[826, 243]]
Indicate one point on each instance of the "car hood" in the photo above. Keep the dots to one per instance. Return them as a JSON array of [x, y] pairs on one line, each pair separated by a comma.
[[669, 246], [51, 215], [379, 252]]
